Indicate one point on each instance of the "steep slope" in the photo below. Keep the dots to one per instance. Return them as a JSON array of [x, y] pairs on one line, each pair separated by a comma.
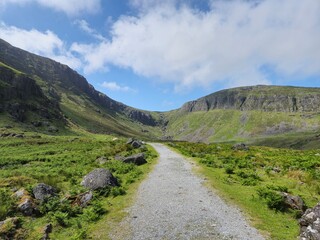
[[81, 104], [261, 98], [268, 114]]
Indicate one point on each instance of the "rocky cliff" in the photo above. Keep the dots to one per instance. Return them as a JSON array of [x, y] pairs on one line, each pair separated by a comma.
[[262, 98]]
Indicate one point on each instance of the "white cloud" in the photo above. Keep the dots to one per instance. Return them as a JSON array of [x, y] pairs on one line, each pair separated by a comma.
[[46, 44], [229, 43], [113, 86], [84, 26], [70, 7]]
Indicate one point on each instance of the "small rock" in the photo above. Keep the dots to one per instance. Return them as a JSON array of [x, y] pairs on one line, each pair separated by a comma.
[[136, 144], [137, 159], [240, 146], [46, 231], [130, 140], [99, 178], [85, 198], [43, 191], [27, 207]]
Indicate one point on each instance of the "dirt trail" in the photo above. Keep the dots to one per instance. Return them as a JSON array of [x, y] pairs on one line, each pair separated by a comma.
[[173, 203]]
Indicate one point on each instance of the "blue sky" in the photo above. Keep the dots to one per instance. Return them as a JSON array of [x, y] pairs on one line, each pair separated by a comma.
[[158, 54]]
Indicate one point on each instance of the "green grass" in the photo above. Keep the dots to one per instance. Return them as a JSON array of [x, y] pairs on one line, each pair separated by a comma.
[[62, 161], [233, 125], [238, 176]]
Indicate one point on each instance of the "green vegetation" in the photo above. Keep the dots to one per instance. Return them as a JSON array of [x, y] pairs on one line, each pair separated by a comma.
[[222, 125], [62, 162], [255, 178]]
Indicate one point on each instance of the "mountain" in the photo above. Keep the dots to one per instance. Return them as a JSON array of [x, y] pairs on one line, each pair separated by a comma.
[[39, 94], [281, 116], [73, 100]]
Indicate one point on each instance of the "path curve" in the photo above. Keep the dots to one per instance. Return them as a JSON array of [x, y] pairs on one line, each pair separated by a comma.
[[173, 203]]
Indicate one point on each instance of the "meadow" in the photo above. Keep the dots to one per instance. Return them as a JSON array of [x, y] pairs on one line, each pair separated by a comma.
[[254, 179], [62, 162]]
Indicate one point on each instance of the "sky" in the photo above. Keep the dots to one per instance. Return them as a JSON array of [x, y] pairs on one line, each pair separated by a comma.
[[158, 54]]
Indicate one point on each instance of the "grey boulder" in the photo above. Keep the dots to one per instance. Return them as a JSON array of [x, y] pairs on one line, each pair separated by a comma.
[[137, 159], [43, 191], [99, 178]]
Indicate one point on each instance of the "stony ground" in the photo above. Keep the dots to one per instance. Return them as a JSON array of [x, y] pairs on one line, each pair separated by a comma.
[[173, 203]]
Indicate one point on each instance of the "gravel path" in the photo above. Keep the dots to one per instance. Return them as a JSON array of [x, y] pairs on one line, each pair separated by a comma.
[[172, 203]]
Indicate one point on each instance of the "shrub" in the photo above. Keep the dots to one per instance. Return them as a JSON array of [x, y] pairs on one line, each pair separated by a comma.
[[229, 169], [273, 197], [6, 204]]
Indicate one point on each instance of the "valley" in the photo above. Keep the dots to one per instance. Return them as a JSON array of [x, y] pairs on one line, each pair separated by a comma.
[[55, 129]]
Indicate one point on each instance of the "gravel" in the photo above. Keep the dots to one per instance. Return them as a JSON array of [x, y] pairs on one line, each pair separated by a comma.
[[173, 203]]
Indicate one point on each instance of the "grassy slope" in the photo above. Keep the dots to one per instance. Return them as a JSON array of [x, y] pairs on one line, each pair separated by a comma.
[[62, 161], [234, 125], [299, 172]]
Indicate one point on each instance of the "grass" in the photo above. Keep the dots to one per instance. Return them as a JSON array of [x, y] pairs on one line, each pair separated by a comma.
[[222, 125], [238, 176], [62, 161]]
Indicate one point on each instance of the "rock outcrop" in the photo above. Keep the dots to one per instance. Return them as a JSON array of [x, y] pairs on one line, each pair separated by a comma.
[[262, 98], [310, 224]]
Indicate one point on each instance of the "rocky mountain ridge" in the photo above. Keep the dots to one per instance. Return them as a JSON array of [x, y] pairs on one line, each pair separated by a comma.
[[263, 98]]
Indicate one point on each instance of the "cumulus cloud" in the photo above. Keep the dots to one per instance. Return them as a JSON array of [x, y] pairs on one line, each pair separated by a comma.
[[70, 7], [113, 86], [46, 43], [233, 42]]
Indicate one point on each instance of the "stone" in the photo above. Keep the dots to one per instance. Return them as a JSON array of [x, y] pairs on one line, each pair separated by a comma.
[[137, 159], [240, 146], [43, 191], [99, 178], [136, 144], [27, 207], [84, 199], [130, 140], [293, 202], [310, 224], [46, 231]]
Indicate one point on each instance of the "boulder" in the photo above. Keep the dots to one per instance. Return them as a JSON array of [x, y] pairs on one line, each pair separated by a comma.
[[293, 202], [99, 178], [26, 204], [43, 191], [240, 146], [27, 207], [136, 144], [137, 159], [310, 224]]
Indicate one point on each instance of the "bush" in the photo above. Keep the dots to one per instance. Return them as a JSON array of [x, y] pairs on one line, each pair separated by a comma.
[[6, 204], [273, 197], [229, 169]]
